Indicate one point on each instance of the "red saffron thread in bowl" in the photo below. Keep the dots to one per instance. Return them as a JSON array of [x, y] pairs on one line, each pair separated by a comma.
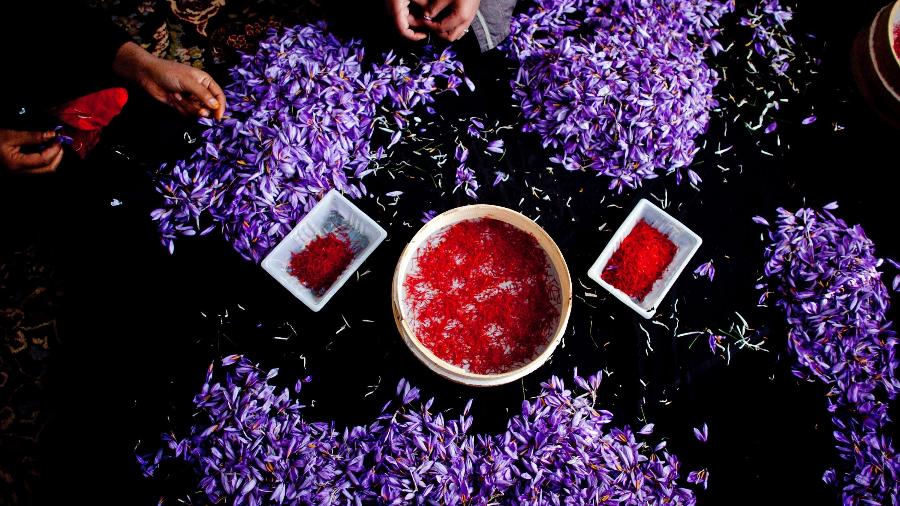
[[482, 296], [318, 265], [897, 40], [640, 260]]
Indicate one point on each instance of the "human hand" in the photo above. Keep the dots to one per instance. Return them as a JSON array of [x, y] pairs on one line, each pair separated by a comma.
[[449, 19], [404, 21], [16, 157], [189, 90]]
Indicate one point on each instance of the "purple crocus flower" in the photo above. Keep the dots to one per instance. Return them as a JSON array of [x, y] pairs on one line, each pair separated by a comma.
[[700, 477], [495, 146], [702, 434], [428, 215], [706, 270], [714, 340]]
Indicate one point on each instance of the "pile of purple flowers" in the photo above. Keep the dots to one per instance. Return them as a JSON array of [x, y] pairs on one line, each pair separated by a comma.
[[620, 87], [825, 276], [302, 113], [250, 445]]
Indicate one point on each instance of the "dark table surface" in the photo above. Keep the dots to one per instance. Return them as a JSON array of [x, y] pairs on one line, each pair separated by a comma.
[[140, 326]]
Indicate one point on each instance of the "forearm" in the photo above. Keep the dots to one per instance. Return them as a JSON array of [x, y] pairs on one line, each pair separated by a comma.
[[189, 90], [131, 63]]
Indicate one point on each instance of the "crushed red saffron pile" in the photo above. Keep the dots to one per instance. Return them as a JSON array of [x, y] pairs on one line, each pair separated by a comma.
[[897, 40], [640, 260], [322, 261], [482, 296]]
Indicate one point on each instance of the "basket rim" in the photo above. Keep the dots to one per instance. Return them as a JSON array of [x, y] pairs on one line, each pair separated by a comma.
[[892, 21], [554, 256]]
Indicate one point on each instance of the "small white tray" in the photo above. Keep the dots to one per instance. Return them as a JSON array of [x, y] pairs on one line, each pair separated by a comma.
[[685, 240], [319, 221]]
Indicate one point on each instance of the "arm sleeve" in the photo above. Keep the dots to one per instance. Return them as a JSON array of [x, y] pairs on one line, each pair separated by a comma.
[[94, 32], [491, 23]]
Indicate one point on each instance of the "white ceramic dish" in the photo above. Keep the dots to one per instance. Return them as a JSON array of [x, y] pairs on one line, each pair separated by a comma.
[[406, 263], [333, 210], [687, 242]]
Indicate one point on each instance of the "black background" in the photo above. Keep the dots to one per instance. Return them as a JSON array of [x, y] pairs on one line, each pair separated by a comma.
[[141, 326]]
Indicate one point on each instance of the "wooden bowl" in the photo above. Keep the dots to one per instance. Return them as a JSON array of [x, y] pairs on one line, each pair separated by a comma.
[[876, 67], [440, 222]]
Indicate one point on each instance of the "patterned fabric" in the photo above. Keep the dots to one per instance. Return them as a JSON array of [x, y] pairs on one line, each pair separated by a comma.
[[204, 33], [28, 300]]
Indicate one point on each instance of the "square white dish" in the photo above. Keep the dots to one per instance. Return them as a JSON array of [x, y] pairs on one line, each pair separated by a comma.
[[332, 211], [685, 240]]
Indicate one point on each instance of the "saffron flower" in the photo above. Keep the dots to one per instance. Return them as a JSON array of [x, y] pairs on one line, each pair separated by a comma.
[[700, 477], [701, 434], [714, 340], [705, 270], [428, 215]]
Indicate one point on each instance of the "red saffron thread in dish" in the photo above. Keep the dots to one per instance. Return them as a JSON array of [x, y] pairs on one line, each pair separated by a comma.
[[482, 296], [322, 261], [640, 260]]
